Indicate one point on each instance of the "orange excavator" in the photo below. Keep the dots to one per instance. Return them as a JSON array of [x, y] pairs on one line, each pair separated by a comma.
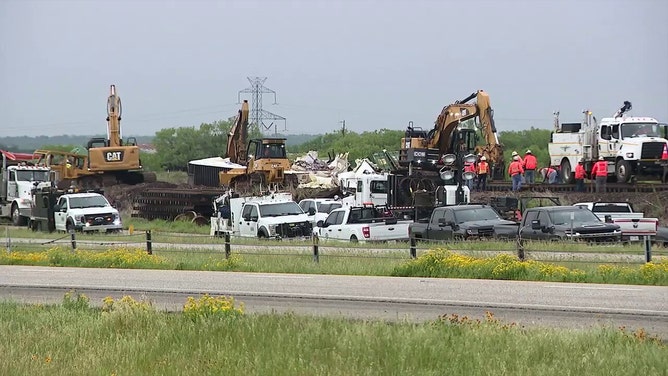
[[107, 161], [261, 161], [455, 132]]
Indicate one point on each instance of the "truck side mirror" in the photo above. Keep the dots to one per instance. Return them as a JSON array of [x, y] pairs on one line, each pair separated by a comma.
[[535, 225], [252, 219], [311, 211], [320, 223], [608, 218]]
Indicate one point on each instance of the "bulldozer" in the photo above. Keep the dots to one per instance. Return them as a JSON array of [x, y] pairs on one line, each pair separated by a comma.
[[261, 161], [106, 161]]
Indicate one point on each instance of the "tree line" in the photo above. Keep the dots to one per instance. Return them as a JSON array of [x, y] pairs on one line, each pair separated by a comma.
[[178, 145]]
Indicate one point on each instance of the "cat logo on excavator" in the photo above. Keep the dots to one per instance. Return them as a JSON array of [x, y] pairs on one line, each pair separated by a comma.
[[114, 156]]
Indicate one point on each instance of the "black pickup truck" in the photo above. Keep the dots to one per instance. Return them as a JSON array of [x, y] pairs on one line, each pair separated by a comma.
[[568, 223], [463, 222]]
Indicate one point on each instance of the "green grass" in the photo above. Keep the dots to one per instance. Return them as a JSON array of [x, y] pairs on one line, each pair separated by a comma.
[[73, 339], [437, 263], [174, 177]]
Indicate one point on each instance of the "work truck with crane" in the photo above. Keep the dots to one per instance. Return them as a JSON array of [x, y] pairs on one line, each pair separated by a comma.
[[632, 146]]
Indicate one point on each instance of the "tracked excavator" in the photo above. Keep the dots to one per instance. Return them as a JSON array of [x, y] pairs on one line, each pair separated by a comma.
[[455, 132], [261, 161], [106, 161]]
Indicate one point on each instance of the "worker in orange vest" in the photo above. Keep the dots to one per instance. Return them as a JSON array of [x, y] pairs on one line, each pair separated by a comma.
[[580, 175], [515, 170], [549, 175], [530, 164], [469, 167], [483, 170], [600, 173]]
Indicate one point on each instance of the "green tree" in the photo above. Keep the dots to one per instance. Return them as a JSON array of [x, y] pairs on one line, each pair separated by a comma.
[[177, 146]]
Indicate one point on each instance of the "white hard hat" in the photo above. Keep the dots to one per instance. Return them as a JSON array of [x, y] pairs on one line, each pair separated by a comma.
[[528, 151], [514, 153], [516, 158], [483, 158], [600, 158]]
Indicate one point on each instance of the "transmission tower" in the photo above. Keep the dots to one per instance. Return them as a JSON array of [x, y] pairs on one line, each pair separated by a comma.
[[258, 115]]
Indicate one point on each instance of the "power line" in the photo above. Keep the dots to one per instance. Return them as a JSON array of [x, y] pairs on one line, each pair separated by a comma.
[[258, 115]]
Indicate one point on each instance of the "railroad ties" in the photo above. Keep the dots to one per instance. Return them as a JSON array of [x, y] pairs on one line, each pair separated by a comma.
[[167, 203]]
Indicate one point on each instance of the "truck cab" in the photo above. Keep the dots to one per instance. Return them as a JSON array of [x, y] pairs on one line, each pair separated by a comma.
[[318, 209], [86, 212], [16, 183]]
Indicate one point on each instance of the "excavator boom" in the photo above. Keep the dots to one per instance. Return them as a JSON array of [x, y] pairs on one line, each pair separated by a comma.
[[114, 110], [236, 139]]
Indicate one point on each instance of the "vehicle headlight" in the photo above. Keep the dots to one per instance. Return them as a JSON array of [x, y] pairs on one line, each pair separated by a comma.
[[80, 218], [629, 155], [272, 229], [117, 219], [472, 231]]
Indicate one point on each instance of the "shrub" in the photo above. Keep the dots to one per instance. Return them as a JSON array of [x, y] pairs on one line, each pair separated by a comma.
[[211, 306]]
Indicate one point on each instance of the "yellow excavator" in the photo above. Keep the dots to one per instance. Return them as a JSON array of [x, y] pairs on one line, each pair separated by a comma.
[[261, 161], [455, 132], [107, 161]]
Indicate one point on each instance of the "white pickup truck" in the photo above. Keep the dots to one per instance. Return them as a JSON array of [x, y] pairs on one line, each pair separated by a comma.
[[86, 212], [361, 223], [318, 209], [272, 216], [633, 225]]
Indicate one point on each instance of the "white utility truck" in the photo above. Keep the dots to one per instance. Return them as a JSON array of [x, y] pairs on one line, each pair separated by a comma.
[[17, 179], [631, 146], [274, 215]]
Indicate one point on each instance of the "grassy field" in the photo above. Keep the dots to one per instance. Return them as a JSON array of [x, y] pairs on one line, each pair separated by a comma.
[[128, 337]]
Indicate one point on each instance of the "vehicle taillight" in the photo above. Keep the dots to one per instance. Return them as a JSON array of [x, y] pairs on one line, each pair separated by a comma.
[[365, 231]]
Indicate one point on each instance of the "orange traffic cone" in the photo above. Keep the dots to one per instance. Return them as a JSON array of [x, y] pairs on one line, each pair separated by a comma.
[[664, 155]]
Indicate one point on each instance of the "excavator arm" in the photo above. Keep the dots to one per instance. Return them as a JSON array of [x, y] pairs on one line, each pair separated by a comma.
[[114, 110], [236, 139]]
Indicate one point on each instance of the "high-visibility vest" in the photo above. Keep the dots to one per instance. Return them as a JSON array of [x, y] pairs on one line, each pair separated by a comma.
[[483, 167], [530, 162], [469, 167], [580, 171], [600, 169], [515, 168]]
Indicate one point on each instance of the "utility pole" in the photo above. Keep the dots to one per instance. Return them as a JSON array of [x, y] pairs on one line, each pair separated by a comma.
[[343, 129], [258, 115]]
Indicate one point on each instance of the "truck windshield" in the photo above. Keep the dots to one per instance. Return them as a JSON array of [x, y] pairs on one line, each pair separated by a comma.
[[88, 202], [279, 209], [475, 214], [631, 130], [32, 175], [327, 207], [563, 217]]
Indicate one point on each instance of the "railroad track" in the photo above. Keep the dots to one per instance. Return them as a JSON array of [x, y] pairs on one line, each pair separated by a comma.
[[167, 203]]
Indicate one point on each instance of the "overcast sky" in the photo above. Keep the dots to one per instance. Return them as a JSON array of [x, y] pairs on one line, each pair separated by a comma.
[[374, 64]]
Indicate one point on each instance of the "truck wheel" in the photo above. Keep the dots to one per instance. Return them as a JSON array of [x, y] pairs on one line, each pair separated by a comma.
[[17, 219], [623, 171], [69, 226], [353, 239], [262, 234], [566, 172]]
